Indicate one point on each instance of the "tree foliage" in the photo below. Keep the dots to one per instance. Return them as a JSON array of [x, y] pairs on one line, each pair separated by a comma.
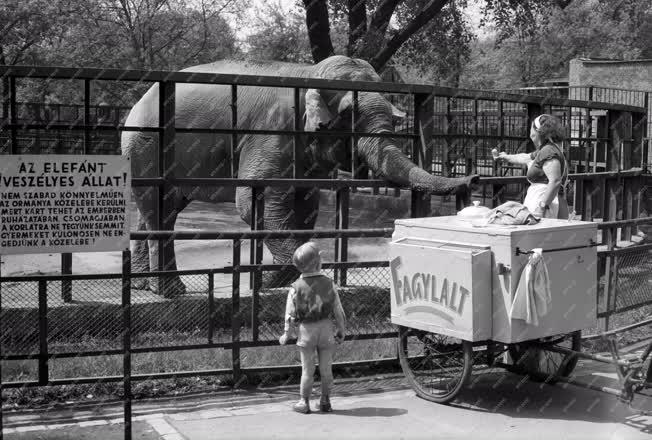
[[584, 28]]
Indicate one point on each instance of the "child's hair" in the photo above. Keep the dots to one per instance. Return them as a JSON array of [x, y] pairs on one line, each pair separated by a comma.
[[550, 127], [306, 258]]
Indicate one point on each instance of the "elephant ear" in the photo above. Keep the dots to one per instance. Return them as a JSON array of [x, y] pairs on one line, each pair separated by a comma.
[[317, 112]]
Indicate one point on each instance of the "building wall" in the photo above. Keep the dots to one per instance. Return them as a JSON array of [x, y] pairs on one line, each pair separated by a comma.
[[633, 75]]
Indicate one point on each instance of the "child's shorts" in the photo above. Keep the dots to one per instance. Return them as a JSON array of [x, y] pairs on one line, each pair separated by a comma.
[[318, 334]]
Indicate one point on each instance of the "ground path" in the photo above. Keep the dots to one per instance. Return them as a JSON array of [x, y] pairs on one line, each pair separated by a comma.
[[500, 407]]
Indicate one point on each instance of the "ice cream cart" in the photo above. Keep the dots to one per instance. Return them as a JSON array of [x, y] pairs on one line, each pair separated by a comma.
[[453, 287]]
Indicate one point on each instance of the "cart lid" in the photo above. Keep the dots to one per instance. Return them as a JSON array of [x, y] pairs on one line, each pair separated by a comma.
[[453, 223]]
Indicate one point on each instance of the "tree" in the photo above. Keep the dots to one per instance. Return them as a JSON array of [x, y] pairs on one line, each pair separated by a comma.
[[585, 28], [439, 53], [371, 35]]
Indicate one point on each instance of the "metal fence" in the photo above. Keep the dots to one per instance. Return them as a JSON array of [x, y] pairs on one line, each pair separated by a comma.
[[41, 315]]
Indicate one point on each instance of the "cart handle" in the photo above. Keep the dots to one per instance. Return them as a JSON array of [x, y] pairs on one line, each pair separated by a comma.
[[592, 243]]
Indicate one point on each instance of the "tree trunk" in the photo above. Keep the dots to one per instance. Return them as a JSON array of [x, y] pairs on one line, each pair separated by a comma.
[[318, 29], [357, 25], [375, 36], [423, 17]]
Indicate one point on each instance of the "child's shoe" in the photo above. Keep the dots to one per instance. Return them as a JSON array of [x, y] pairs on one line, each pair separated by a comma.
[[301, 407], [325, 405]]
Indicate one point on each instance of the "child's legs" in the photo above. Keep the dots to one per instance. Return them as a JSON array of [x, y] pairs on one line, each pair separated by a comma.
[[326, 369], [307, 371]]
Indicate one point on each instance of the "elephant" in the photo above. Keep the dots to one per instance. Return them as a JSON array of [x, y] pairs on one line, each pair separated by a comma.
[[265, 156]]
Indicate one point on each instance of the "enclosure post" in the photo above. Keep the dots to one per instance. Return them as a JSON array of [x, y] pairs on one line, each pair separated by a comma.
[[211, 305], [166, 163], [66, 285], [87, 116], [497, 190], [258, 224], [13, 147], [342, 197], [1, 338], [234, 126], [43, 373], [298, 145], [358, 169], [126, 339], [445, 160], [422, 150], [235, 313]]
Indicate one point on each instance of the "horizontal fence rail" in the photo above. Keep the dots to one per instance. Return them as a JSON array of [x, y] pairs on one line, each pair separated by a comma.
[[447, 131]]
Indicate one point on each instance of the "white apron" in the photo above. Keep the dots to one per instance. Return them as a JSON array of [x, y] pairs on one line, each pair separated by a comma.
[[535, 194]]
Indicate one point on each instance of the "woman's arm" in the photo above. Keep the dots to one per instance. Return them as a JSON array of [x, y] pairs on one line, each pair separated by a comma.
[[517, 159], [552, 170]]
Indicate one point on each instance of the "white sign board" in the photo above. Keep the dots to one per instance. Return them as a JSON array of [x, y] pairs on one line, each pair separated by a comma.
[[64, 203]]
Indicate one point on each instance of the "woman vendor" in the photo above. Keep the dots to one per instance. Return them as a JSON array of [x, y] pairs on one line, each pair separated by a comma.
[[547, 168]]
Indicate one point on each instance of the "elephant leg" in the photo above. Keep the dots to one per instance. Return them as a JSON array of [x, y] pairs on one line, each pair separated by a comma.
[[140, 257], [169, 285], [284, 210]]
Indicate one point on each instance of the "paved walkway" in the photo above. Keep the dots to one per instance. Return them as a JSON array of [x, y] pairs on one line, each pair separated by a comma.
[[499, 405]]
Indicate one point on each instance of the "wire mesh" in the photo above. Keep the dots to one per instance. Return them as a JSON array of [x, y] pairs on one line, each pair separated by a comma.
[[19, 318], [634, 280], [91, 321], [175, 320]]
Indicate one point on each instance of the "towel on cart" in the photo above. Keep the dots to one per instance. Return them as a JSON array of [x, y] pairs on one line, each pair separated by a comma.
[[511, 213], [532, 299]]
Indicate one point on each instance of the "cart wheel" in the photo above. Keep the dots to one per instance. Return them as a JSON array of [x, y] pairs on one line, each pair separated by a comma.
[[436, 366], [532, 357]]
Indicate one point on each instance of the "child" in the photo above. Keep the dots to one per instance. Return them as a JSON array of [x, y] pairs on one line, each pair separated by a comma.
[[311, 301]]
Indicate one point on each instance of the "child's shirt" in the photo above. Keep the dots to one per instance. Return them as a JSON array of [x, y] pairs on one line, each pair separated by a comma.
[[311, 298]]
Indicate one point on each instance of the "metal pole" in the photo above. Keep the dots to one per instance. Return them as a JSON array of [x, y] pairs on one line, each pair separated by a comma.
[[235, 313], [1, 338], [13, 147], [43, 373], [126, 340], [211, 306]]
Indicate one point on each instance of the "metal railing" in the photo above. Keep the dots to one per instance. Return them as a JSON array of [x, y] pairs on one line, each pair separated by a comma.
[[422, 148]]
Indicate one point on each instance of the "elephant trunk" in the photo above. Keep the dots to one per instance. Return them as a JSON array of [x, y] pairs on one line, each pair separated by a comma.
[[396, 167]]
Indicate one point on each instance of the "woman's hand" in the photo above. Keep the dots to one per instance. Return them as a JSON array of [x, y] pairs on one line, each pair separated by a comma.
[[284, 338]]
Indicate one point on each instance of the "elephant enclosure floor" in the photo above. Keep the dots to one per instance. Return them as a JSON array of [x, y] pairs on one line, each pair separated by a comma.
[[365, 212]]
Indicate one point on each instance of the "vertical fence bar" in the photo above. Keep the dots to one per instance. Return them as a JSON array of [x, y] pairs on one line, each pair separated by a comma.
[[258, 223], [126, 340], [234, 126], [497, 190], [235, 313], [211, 305], [298, 147], [87, 117], [1, 339], [13, 147], [420, 201], [353, 140], [166, 158], [43, 373], [342, 199], [445, 159], [66, 269]]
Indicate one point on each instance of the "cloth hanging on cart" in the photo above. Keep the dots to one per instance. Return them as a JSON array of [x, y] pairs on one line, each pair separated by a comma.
[[532, 298]]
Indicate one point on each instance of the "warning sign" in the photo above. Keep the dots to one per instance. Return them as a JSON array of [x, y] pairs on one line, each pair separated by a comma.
[[64, 203]]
